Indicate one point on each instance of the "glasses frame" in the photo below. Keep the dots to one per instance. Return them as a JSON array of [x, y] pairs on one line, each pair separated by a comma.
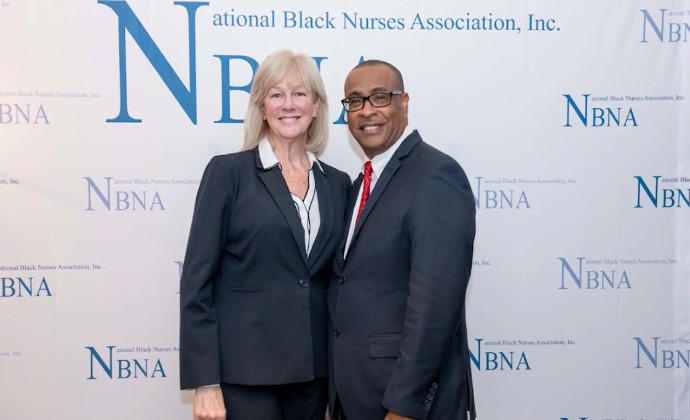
[[346, 101]]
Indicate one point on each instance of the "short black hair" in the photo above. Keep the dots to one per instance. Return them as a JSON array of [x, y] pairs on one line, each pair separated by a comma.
[[394, 69]]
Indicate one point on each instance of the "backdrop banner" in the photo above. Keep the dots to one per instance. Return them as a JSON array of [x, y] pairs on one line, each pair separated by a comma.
[[571, 119]]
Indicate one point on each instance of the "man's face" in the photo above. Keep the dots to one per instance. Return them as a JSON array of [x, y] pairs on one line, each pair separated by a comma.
[[376, 129]]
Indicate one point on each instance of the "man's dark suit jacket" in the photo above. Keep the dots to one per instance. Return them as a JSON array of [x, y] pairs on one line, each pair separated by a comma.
[[398, 334], [253, 305]]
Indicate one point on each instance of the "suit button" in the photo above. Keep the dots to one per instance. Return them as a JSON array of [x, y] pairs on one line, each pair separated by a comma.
[[303, 283], [341, 280], [434, 385], [337, 332], [432, 391], [429, 397], [427, 403]]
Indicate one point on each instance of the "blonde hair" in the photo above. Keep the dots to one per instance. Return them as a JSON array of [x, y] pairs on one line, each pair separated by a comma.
[[278, 66]]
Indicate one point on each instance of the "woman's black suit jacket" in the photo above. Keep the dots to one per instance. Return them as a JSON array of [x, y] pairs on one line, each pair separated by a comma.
[[252, 304]]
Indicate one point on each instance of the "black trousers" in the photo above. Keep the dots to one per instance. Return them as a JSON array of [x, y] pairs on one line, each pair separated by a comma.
[[299, 401]]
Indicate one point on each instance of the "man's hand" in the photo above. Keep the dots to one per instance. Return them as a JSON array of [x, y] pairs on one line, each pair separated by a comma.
[[208, 403], [392, 416]]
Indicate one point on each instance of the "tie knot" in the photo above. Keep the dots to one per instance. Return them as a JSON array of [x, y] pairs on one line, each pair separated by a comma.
[[367, 168]]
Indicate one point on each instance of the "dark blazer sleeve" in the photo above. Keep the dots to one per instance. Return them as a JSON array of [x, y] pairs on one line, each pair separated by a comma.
[[199, 340], [441, 223]]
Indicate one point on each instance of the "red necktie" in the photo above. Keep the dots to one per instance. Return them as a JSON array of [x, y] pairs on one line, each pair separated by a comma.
[[365, 188]]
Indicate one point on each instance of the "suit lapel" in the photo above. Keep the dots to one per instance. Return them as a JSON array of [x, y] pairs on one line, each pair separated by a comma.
[[326, 213], [340, 254], [391, 168], [276, 186], [352, 199]]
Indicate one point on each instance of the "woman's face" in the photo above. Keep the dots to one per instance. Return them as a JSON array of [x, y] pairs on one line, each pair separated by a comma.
[[289, 108]]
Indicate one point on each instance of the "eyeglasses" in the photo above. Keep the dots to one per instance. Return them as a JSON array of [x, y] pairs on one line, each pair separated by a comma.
[[377, 100]]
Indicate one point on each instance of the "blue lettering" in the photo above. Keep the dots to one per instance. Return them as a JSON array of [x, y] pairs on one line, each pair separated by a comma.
[[592, 279], [670, 197], [597, 117], [595, 279], [5, 114], [658, 29], [491, 363], [685, 359], [136, 199], [474, 359], [581, 115], [158, 368], [611, 116], [8, 287], [125, 368], [107, 368], [490, 201], [227, 89], [20, 113], [157, 201], [123, 200], [577, 278], [143, 370], [179, 269], [124, 371], [523, 362], [674, 29], [43, 287], [645, 350], [19, 287], [601, 117], [129, 23], [499, 199], [643, 185], [92, 186], [497, 360]]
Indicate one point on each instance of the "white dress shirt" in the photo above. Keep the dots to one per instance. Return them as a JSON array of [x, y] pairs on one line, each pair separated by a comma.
[[307, 207]]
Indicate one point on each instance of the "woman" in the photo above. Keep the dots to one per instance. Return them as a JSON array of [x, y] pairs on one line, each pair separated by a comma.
[[266, 224]]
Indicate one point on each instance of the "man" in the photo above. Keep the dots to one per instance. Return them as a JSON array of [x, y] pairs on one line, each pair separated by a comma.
[[399, 340]]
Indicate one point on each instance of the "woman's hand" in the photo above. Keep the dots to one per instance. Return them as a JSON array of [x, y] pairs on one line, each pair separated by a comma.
[[208, 403]]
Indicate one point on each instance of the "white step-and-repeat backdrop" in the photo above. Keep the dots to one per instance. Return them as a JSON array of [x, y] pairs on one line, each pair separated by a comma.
[[572, 120]]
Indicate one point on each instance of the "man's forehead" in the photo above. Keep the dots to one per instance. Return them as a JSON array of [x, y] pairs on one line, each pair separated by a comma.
[[372, 78], [372, 68]]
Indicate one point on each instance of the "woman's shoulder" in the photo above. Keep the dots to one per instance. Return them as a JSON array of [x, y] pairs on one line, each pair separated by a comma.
[[230, 167], [242, 158]]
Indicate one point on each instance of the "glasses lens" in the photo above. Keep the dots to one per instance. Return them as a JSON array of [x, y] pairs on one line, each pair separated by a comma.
[[380, 99], [354, 104]]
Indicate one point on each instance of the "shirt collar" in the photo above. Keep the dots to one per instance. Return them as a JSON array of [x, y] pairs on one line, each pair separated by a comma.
[[379, 162], [269, 160]]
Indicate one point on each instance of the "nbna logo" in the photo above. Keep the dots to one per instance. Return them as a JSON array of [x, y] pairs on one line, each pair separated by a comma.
[[123, 368], [186, 97], [20, 287], [120, 200], [664, 197], [663, 30], [597, 117]]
